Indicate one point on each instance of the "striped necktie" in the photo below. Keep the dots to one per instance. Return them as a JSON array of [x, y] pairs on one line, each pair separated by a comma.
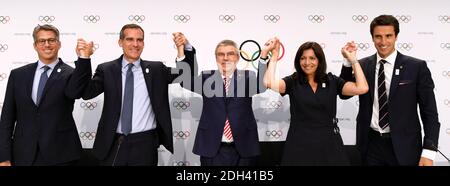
[[383, 113], [227, 128]]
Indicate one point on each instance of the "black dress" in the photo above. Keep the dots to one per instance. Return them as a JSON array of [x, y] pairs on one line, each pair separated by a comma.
[[313, 137]]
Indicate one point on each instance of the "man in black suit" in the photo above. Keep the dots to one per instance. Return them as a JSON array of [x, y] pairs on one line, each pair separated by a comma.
[[136, 117], [227, 133], [36, 126], [388, 126]]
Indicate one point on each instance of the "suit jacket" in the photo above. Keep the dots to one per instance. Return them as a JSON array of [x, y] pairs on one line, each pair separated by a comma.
[[50, 126], [411, 87], [217, 106], [108, 80]]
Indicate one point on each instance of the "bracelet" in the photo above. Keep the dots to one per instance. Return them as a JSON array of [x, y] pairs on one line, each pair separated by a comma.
[[267, 57]]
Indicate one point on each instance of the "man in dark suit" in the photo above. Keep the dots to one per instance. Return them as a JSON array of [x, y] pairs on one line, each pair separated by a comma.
[[36, 126], [136, 118], [227, 133], [388, 126]]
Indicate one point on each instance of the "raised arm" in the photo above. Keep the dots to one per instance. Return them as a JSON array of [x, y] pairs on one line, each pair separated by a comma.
[[270, 79], [82, 73], [360, 86], [186, 63]]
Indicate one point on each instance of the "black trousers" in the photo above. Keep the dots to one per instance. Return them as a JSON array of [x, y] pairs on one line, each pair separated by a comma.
[[227, 156], [137, 149], [380, 150]]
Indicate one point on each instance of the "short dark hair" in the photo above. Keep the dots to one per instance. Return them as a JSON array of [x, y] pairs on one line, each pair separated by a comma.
[[320, 76], [385, 20], [45, 27], [127, 26]]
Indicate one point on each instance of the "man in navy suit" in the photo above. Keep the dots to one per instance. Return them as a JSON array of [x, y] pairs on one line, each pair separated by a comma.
[[36, 125], [227, 133], [388, 125], [135, 119]]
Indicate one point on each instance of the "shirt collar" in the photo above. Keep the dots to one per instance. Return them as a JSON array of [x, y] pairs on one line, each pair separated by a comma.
[[51, 65], [390, 59], [136, 64]]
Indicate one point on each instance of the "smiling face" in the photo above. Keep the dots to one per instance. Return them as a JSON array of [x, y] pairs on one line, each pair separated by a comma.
[[309, 62], [132, 44], [227, 58], [384, 39], [47, 46]]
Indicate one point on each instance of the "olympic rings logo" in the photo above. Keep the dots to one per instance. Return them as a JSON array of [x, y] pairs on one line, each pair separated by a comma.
[[46, 19], [91, 18], [271, 18], [445, 46], [181, 105], [181, 134], [404, 18], [256, 54], [360, 18], [2, 76], [405, 46], [136, 18], [363, 46], [181, 163], [316, 18], [4, 19], [88, 105], [227, 18], [87, 135], [274, 104], [181, 18], [3, 47], [444, 19], [446, 74], [274, 134]]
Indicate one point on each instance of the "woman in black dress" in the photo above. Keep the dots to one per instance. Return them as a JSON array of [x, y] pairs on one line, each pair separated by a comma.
[[313, 137]]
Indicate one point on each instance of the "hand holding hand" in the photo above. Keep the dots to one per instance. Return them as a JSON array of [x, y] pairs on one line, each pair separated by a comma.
[[349, 52], [84, 49]]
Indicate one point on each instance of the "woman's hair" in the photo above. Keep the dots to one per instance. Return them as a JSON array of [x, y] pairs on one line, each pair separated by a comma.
[[320, 76]]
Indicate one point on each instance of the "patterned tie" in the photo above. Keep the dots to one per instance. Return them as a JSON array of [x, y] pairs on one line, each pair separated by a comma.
[[127, 107], [42, 83], [227, 128], [383, 114]]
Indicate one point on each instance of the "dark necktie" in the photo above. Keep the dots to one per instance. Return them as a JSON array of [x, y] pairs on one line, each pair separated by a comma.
[[127, 107], [383, 114], [227, 128], [42, 83]]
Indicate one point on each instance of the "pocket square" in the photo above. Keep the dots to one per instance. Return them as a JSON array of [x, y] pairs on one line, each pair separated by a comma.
[[404, 82]]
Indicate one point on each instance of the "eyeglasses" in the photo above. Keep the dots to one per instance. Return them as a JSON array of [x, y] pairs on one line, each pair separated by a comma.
[[50, 41], [229, 54]]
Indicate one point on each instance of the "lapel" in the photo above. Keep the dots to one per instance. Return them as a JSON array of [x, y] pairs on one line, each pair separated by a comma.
[[29, 76], [147, 72], [117, 78], [371, 75], [398, 67], [54, 76]]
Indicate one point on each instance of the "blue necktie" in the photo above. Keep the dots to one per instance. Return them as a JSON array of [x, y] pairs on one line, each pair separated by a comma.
[[383, 113], [42, 83], [127, 107]]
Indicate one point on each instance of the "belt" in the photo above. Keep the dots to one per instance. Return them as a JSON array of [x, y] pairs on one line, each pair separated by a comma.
[[381, 135], [136, 135]]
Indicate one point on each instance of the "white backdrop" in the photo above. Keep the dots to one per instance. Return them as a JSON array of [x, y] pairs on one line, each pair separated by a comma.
[[424, 33]]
